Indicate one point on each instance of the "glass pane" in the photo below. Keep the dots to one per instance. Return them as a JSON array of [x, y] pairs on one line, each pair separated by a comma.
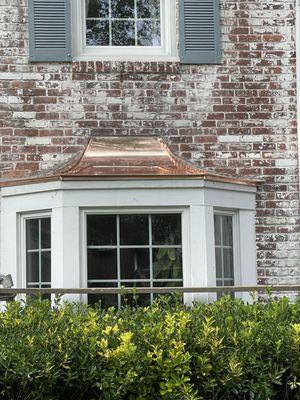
[[142, 300], [219, 272], [123, 33], [167, 263], [167, 284], [32, 267], [106, 300], [97, 8], [122, 8], [134, 230], [46, 266], [32, 234], [101, 230], [228, 263], [135, 264], [217, 223], [148, 8], [97, 33], [46, 233], [148, 33], [102, 264], [227, 230], [166, 229]]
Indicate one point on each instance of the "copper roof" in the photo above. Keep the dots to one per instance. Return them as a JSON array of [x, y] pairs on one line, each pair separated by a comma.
[[129, 157]]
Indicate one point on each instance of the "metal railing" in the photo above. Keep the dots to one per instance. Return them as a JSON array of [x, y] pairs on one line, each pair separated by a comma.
[[157, 290]]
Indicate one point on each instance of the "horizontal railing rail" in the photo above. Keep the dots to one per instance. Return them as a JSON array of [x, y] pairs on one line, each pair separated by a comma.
[[146, 290]]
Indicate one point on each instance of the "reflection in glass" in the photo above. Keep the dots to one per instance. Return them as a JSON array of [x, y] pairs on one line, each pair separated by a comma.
[[148, 9], [135, 263], [32, 262], [97, 33], [46, 266], [45, 233], [141, 300], [167, 263], [122, 8], [102, 264], [32, 234], [227, 230], [134, 229], [148, 33], [101, 230], [105, 300], [123, 33], [166, 229], [97, 8]]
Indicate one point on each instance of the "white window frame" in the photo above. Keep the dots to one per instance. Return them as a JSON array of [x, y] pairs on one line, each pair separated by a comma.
[[166, 52], [132, 211], [22, 242], [235, 242]]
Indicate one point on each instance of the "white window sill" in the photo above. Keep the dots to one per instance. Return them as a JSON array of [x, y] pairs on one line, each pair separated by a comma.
[[141, 58]]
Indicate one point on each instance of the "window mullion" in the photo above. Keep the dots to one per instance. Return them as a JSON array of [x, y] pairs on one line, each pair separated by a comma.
[[110, 25]]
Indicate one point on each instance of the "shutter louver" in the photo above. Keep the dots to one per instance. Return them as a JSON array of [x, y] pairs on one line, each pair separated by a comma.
[[199, 32], [49, 30]]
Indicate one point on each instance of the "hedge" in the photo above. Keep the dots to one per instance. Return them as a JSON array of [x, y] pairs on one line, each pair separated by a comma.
[[224, 350]]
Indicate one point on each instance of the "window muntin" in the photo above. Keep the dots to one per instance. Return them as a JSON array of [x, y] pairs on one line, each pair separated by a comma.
[[123, 23], [224, 249], [133, 250], [38, 252]]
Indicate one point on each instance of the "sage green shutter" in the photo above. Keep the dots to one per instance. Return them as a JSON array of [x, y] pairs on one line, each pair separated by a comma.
[[49, 30], [199, 24]]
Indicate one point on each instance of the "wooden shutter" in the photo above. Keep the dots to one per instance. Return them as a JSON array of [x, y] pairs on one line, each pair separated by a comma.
[[199, 31], [49, 30]]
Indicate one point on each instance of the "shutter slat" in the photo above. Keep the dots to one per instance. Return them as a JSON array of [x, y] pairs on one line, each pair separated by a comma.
[[49, 30], [199, 32]]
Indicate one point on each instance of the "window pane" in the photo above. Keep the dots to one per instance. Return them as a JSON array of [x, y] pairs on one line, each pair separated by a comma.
[[107, 300], [97, 33], [217, 223], [123, 33], [101, 230], [142, 300], [134, 230], [97, 8], [45, 233], [32, 234], [148, 33], [102, 264], [135, 264], [46, 266], [148, 8], [228, 263], [167, 263], [32, 263], [227, 230], [122, 8], [219, 271], [166, 229]]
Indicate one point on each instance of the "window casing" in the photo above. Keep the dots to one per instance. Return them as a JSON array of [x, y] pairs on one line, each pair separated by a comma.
[[112, 45]]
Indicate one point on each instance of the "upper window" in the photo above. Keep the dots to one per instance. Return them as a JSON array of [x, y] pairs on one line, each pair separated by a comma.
[[124, 29], [122, 23]]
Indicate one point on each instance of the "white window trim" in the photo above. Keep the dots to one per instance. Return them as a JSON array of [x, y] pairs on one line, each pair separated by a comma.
[[123, 211], [22, 279], [235, 241], [167, 52]]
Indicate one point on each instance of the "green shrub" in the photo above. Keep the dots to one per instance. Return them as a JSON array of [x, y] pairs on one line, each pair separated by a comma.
[[219, 351]]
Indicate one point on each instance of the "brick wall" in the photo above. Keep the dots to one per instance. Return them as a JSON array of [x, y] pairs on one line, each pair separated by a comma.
[[238, 118]]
